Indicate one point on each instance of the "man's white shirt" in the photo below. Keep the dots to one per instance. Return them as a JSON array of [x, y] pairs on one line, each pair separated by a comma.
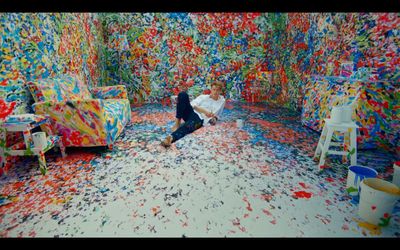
[[209, 104]]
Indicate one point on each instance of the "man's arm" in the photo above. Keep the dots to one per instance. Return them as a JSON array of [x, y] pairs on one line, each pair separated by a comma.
[[204, 111], [196, 106]]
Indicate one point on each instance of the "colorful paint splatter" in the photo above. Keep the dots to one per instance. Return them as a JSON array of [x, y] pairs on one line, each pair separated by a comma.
[[376, 110], [219, 181], [43, 45], [157, 54]]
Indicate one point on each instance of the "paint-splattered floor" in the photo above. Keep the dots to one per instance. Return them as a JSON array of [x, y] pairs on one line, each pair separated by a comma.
[[259, 181]]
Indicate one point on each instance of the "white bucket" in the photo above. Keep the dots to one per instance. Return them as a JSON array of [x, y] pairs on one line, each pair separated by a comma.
[[396, 173], [239, 123], [39, 140], [341, 114], [377, 200], [347, 113], [355, 175], [336, 114]]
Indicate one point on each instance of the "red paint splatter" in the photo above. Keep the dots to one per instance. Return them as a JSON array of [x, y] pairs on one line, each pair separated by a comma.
[[248, 204], [266, 197], [17, 185], [243, 229], [236, 222], [265, 211], [4, 82], [302, 194], [302, 184], [329, 179], [6, 109]]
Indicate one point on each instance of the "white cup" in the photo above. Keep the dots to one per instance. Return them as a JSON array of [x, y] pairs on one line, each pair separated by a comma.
[[239, 123], [341, 114], [396, 174], [347, 113], [39, 140], [336, 114]]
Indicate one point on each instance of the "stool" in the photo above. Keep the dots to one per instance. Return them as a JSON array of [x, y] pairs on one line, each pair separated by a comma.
[[325, 141]]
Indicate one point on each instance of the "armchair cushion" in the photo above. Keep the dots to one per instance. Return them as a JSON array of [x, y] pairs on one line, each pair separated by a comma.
[[45, 90], [110, 92], [72, 88], [61, 88]]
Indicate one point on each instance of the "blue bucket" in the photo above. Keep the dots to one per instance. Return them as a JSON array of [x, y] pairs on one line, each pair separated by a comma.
[[354, 177]]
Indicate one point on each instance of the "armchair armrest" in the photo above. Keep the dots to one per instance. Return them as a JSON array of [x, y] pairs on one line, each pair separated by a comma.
[[110, 92]]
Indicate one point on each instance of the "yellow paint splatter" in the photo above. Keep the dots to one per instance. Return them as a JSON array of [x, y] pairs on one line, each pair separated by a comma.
[[372, 229]]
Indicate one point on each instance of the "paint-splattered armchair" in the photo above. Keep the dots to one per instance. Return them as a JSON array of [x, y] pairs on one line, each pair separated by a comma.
[[82, 118]]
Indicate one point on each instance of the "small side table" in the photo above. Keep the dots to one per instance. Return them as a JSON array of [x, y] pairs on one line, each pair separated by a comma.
[[25, 123]]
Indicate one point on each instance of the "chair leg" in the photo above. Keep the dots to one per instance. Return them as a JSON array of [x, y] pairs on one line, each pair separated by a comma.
[[346, 146], [353, 146], [7, 164], [2, 152], [325, 147], [42, 163], [321, 140], [3, 164], [62, 147], [49, 126]]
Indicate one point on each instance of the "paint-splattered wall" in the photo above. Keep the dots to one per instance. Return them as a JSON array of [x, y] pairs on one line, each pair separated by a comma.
[[370, 41], [155, 54], [368, 45], [261, 56], [41, 45]]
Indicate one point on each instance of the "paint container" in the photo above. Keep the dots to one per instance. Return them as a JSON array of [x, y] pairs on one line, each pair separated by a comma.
[[354, 177], [239, 123], [347, 113], [340, 114], [39, 140], [377, 200], [396, 173], [336, 114]]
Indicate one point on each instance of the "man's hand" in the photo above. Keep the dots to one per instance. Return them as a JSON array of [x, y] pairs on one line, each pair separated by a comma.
[[175, 127], [210, 114]]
